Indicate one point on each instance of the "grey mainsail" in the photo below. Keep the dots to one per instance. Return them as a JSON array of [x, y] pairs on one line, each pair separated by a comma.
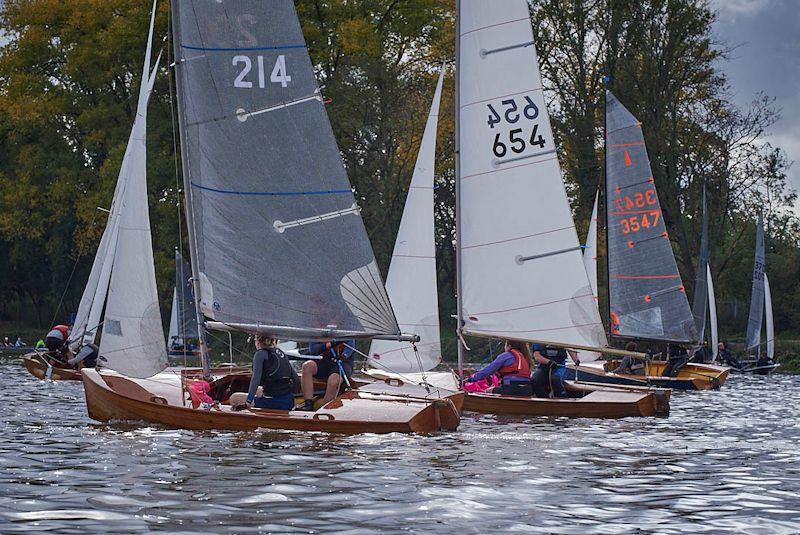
[[646, 296], [278, 242], [754, 319], [700, 300], [186, 328]]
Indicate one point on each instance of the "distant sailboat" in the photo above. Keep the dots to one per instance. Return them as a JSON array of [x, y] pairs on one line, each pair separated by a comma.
[[278, 246], [521, 273], [183, 318], [647, 300]]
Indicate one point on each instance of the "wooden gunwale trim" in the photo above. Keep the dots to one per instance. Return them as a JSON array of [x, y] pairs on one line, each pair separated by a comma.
[[37, 368]]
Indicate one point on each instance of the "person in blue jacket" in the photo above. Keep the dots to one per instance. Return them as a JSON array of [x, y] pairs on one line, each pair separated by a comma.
[[549, 375], [337, 358], [513, 366]]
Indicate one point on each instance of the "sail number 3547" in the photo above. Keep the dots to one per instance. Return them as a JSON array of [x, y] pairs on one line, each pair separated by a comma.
[[277, 76], [517, 140]]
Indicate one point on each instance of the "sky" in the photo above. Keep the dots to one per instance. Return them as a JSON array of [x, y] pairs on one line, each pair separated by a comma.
[[765, 36]]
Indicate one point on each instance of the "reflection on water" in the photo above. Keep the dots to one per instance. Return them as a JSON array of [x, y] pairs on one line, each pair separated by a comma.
[[723, 461]]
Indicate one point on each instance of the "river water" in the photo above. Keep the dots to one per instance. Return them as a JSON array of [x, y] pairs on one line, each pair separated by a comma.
[[725, 461]]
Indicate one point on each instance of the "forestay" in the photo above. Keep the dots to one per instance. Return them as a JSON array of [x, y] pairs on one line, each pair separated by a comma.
[[647, 297], [590, 250], [712, 309], [411, 282], [277, 235], [754, 319], [700, 299], [770, 323], [522, 273], [133, 336]]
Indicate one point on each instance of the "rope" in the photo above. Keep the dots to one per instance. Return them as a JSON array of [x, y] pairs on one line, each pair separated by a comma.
[[66, 288]]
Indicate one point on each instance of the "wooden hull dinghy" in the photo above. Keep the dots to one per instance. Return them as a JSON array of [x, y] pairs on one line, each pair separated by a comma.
[[161, 400], [691, 377], [37, 367], [593, 401], [752, 367]]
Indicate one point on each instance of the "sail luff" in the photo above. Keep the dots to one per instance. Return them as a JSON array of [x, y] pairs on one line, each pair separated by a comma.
[[712, 310], [647, 299], [755, 317], [769, 319], [522, 267], [411, 282]]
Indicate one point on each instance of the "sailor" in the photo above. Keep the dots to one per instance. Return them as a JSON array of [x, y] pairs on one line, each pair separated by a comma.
[[56, 341], [725, 356], [549, 374], [678, 357], [631, 365], [40, 344], [86, 357], [514, 369], [337, 357], [273, 373], [19, 342]]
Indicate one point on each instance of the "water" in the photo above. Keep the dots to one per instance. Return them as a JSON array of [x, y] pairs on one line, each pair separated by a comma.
[[724, 461]]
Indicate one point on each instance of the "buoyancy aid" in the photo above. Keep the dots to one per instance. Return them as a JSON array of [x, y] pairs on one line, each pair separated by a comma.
[[556, 354], [519, 368], [276, 376], [59, 331]]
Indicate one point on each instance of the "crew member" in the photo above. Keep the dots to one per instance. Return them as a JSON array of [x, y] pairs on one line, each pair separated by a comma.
[[86, 357], [678, 357], [56, 341], [514, 369], [337, 357], [631, 365], [273, 373], [549, 374]]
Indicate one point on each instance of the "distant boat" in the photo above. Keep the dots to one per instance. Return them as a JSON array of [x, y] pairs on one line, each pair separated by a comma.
[[758, 360], [520, 270], [647, 300], [183, 336], [277, 243]]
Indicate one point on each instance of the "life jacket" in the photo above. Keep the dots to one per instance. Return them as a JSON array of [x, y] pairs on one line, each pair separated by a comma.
[[519, 368], [59, 331], [556, 354], [276, 377]]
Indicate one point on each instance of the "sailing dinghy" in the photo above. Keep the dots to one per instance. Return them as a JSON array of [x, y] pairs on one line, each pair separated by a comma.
[[277, 243], [520, 269], [647, 300], [760, 301]]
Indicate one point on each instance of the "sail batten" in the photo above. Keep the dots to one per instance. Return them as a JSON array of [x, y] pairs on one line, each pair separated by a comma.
[[521, 264], [277, 236], [646, 296]]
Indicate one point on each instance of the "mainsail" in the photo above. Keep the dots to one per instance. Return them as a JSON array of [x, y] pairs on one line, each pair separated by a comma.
[[700, 300], [278, 244], [754, 319], [647, 298], [590, 251], [770, 323], [411, 282], [522, 274], [712, 309], [133, 336]]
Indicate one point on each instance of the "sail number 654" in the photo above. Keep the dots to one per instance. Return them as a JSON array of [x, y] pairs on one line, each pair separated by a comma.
[[278, 75]]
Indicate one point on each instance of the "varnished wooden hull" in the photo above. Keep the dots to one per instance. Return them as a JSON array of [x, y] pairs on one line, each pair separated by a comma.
[[599, 403], [117, 398], [690, 377], [38, 369]]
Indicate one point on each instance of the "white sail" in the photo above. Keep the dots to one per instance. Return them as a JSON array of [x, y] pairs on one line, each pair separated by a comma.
[[133, 336], [590, 251], [411, 282], [768, 317], [522, 273], [173, 318], [712, 311]]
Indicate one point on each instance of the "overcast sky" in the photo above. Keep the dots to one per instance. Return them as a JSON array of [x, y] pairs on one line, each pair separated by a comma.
[[766, 38]]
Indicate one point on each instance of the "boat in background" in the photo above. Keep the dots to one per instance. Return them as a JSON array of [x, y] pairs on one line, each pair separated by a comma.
[[647, 300], [520, 271], [259, 144], [758, 361], [182, 340]]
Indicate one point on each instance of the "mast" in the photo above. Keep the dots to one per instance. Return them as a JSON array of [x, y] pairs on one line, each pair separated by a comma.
[[201, 330], [459, 297], [607, 80]]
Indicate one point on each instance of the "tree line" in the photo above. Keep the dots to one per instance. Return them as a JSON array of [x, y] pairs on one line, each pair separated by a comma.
[[69, 72]]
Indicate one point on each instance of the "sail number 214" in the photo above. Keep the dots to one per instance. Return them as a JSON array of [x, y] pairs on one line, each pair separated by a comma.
[[278, 75]]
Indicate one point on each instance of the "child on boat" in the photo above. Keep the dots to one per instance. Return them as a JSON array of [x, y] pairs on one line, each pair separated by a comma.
[[513, 366]]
